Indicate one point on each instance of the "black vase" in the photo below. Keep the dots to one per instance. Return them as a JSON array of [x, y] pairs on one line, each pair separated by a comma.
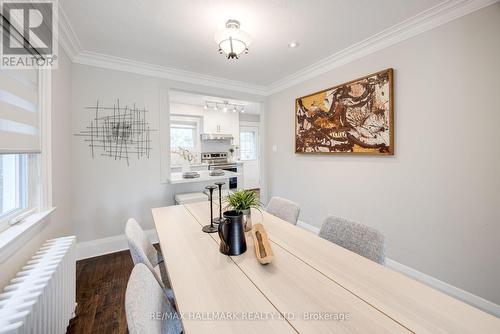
[[231, 233]]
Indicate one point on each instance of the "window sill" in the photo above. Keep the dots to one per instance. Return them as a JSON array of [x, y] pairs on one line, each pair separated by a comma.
[[12, 234]]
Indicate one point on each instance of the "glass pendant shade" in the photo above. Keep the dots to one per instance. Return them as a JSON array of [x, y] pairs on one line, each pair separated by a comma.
[[232, 41]]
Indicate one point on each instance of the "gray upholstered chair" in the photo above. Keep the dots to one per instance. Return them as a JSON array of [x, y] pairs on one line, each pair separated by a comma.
[[143, 251], [144, 300], [284, 209], [358, 238]]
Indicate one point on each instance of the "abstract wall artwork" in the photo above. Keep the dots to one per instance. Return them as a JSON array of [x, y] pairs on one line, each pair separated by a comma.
[[355, 117], [120, 132]]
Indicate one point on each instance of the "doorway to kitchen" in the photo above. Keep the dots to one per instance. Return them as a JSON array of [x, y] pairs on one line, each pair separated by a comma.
[[250, 154], [212, 137]]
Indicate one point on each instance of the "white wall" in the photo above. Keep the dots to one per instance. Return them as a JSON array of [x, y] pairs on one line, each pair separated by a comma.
[[59, 223], [61, 145], [246, 117], [186, 109], [105, 192], [438, 198]]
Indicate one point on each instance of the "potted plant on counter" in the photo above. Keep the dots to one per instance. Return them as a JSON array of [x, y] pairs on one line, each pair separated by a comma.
[[244, 201]]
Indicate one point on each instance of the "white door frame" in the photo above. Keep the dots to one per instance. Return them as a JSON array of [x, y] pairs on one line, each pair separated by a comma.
[[264, 184]]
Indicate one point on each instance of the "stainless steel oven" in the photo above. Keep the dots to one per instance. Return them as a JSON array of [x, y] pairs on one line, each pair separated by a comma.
[[218, 160]]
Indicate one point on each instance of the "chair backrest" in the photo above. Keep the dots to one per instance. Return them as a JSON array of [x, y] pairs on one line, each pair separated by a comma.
[[146, 308], [141, 249], [284, 209], [358, 238], [135, 233]]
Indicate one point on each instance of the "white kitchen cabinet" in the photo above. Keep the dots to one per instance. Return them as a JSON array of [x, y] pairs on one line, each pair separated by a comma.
[[222, 122], [211, 122]]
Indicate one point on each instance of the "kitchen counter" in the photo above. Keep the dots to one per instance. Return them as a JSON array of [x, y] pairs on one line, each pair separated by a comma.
[[176, 178], [195, 165], [203, 164]]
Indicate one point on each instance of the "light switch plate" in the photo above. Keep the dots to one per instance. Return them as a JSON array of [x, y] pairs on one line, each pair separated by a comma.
[[275, 148]]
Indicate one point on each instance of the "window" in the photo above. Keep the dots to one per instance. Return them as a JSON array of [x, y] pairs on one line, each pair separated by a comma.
[[182, 136], [13, 177], [185, 134], [20, 121], [19, 186], [248, 144]]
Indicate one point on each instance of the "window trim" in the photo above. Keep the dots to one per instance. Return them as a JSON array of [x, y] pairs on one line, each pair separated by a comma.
[[45, 161], [17, 235]]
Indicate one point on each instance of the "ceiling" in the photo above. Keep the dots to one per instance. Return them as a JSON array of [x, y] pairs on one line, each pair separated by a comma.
[[180, 33]]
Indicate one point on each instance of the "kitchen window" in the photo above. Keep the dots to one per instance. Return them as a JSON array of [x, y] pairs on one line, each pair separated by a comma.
[[184, 134]]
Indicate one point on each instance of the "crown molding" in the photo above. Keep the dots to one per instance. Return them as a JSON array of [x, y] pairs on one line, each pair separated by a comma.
[[67, 36], [71, 44], [429, 19], [137, 67], [433, 17]]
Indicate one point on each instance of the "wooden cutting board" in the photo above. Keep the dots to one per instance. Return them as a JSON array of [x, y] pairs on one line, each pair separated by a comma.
[[263, 249]]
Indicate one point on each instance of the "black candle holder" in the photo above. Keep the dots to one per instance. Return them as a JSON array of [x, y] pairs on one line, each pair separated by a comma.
[[219, 219], [210, 228]]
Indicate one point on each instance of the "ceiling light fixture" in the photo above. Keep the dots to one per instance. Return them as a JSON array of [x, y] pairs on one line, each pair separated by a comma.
[[293, 44], [225, 105], [232, 41]]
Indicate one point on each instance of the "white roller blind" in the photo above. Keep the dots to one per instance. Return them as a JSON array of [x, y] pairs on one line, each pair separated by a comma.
[[19, 111]]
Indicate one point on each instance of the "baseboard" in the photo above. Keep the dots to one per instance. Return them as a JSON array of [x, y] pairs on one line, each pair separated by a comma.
[[437, 284], [449, 289], [98, 247]]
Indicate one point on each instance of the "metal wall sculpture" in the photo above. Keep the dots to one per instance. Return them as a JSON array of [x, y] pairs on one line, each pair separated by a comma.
[[119, 132]]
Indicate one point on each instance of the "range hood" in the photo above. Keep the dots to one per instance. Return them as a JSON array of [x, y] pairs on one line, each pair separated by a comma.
[[216, 136]]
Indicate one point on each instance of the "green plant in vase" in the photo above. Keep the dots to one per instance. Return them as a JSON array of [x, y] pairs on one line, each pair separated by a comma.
[[244, 201]]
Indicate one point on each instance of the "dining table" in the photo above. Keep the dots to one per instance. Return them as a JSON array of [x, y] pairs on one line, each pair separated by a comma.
[[311, 285]]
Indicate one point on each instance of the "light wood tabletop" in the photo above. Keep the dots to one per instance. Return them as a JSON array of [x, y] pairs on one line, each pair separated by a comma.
[[207, 284], [312, 285]]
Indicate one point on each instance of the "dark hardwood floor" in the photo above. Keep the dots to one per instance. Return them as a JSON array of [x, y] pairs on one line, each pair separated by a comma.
[[100, 293]]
